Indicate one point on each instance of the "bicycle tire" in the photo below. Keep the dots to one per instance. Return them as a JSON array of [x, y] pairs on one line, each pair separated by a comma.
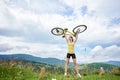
[[81, 29], [57, 31]]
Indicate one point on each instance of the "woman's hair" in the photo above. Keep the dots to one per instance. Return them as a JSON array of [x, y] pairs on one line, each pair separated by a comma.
[[71, 38]]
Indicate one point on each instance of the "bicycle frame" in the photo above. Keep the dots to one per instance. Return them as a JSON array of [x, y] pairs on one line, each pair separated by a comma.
[[66, 32], [70, 33]]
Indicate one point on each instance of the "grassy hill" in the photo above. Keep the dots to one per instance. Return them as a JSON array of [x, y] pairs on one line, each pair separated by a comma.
[[93, 66]]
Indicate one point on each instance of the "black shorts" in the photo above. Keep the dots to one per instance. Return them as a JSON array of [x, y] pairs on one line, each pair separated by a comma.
[[71, 55]]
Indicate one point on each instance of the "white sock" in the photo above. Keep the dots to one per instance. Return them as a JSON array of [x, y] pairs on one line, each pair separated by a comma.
[[65, 74], [79, 74]]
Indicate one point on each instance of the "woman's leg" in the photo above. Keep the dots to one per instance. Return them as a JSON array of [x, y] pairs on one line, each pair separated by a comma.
[[66, 65], [76, 67]]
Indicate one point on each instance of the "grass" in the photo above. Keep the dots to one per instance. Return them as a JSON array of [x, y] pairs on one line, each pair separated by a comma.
[[88, 77], [13, 72], [104, 77]]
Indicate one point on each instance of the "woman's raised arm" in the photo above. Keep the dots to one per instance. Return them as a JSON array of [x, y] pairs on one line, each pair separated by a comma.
[[76, 37]]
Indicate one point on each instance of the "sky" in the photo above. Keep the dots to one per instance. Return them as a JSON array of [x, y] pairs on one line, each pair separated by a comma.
[[25, 27]]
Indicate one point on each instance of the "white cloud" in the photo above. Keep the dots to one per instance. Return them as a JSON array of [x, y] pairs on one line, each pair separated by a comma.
[[99, 53], [17, 45], [27, 24]]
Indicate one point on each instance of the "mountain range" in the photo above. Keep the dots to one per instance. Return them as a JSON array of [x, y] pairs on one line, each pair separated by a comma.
[[52, 61]]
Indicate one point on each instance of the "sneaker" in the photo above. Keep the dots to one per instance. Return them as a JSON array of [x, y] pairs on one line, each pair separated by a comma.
[[65, 74], [79, 75]]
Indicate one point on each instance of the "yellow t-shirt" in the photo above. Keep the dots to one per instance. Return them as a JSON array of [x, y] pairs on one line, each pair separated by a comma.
[[71, 48]]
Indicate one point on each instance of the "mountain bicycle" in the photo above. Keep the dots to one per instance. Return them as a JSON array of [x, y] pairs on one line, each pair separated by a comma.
[[60, 31]]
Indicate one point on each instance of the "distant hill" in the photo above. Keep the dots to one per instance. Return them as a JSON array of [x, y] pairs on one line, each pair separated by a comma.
[[96, 66], [117, 63], [52, 61]]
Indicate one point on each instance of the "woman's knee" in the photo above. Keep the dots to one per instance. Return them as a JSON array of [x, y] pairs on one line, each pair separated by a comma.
[[74, 61], [75, 64], [67, 61]]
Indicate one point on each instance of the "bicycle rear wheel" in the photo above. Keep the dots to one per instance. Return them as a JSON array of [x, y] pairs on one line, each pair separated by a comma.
[[79, 29], [57, 31]]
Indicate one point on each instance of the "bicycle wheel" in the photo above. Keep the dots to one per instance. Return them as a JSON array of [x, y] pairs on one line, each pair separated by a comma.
[[57, 31], [79, 29]]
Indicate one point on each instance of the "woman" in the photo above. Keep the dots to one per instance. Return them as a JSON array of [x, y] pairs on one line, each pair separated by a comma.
[[71, 41]]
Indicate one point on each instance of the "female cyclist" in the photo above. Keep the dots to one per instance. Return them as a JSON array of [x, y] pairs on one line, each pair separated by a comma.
[[71, 42]]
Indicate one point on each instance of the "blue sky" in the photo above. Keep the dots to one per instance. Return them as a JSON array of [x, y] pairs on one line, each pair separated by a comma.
[[25, 27]]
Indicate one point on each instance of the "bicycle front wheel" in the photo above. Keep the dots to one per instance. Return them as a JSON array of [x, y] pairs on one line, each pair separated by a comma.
[[57, 31], [79, 29]]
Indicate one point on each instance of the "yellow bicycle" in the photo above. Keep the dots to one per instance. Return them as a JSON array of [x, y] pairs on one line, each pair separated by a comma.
[[59, 31]]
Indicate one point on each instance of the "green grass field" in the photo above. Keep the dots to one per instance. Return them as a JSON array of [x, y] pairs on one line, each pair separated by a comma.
[[16, 73], [25, 70], [89, 77]]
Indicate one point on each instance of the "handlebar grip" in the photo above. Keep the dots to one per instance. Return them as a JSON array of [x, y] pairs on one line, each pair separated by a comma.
[[75, 34]]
